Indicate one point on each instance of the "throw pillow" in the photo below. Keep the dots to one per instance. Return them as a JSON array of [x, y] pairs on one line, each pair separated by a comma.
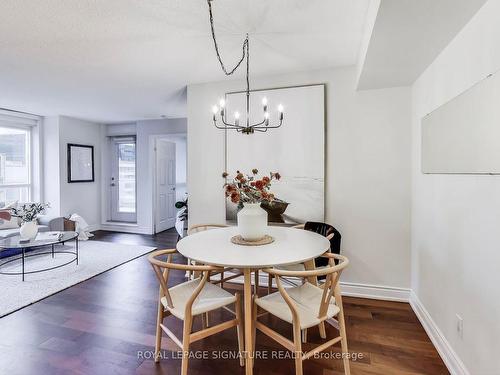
[[13, 222]]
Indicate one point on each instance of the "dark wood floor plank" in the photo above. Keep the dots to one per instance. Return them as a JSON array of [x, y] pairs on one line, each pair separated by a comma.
[[106, 325]]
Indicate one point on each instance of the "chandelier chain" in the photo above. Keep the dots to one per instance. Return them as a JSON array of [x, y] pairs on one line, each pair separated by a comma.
[[244, 47]]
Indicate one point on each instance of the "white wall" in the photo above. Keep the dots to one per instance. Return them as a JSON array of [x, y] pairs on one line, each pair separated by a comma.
[[367, 168], [456, 218], [83, 198]]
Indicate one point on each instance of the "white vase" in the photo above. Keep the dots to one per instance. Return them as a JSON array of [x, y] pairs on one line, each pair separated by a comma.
[[252, 222], [28, 230]]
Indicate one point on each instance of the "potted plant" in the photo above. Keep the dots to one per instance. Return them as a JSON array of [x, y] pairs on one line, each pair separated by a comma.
[[28, 213], [249, 192]]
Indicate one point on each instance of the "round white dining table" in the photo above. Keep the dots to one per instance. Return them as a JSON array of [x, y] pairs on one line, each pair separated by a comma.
[[290, 246]]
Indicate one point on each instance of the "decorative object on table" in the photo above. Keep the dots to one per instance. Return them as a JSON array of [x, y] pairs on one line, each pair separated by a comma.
[[297, 151], [247, 128], [239, 240], [80, 163], [249, 191], [275, 211], [49, 236], [28, 213], [81, 227]]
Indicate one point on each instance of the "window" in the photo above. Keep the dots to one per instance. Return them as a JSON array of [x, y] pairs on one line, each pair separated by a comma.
[[15, 164]]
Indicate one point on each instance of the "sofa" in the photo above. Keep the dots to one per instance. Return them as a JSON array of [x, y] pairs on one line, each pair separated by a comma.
[[45, 224]]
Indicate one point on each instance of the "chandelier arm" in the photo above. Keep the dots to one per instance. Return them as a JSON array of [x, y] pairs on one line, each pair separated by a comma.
[[258, 124], [227, 126], [244, 47], [219, 127], [232, 125], [273, 127]]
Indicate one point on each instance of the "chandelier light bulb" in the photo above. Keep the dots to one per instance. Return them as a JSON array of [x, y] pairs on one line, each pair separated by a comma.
[[215, 109], [264, 101], [280, 108], [266, 115], [222, 103], [237, 115]]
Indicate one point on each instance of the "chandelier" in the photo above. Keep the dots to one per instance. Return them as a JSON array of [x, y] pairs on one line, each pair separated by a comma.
[[247, 127]]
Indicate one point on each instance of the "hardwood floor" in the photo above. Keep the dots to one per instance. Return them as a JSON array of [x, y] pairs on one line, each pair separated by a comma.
[[106, 325]]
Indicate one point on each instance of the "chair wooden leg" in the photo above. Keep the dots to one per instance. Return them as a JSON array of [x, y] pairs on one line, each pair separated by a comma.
[[204, 323], [322, 330], [269, 284], [189, 273], [159, 331], [304, 335], [186, 338], [298, 349], [256, 283], [343, 334], [240, 328], [254, 328], [222, 278]]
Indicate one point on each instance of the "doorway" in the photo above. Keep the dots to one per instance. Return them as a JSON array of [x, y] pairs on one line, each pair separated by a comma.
[[165, 184], [123, 185]]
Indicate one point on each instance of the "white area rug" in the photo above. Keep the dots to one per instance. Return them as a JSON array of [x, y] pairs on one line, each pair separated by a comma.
[[95, 258]]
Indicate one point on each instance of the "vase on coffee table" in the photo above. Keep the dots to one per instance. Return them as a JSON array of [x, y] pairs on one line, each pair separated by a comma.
[[28, 230]]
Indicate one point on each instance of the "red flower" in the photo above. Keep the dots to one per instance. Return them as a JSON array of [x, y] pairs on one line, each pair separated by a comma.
[[252, 183], [239, 176], [235, 197], [259, 184], [266, 179]]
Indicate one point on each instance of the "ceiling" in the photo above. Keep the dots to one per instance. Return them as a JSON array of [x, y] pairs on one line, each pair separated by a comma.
[[124, 60], [407, 37]]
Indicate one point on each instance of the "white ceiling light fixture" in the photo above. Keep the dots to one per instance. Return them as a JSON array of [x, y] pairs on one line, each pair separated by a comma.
[[248, 127]]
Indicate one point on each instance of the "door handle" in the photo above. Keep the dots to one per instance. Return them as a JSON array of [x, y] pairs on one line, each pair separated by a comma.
[[173, 189], [112, 184]]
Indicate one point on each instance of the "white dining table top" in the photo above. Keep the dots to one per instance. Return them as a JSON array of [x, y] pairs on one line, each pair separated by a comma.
[[290, 246]]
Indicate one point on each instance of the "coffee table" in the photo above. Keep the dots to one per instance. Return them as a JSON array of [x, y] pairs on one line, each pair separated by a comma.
[[15, 242]]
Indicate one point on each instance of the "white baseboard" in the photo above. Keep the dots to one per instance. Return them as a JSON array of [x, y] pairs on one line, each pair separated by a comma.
[[124, 228], [386, 293], [93, 227], [449, 356]]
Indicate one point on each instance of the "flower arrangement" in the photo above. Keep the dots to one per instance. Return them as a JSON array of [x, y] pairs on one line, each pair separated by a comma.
[[29, 211], [249, 189]]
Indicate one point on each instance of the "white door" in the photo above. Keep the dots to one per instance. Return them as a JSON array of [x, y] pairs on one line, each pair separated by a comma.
[[123, 181], [165, 185]]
